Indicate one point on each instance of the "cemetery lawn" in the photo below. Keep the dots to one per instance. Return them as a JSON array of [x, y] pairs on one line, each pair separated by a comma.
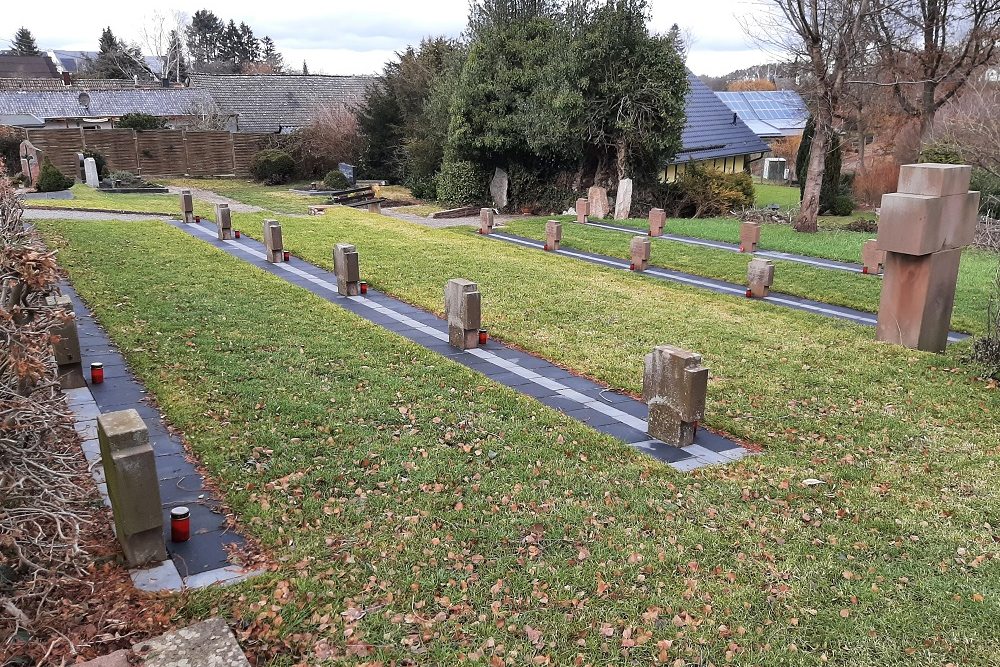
[[976, 274], [418, 512], [86, 197], [271, 197], [785, 196]]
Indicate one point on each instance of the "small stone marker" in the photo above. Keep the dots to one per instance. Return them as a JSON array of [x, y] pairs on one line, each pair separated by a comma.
[[749, 236], [872, 257], [657, 219], [485, 220], [90, 170], [273, 247], [31, 161], [463, 308], [187, 206], [553, 234], [640, 248], [674, 385], [582, 210], [597, 197], [81, 172], [760, 275], [224, 222], [623, 199], [130, 470], [498, 188], [347, 268], [923, 228], [67, 349]]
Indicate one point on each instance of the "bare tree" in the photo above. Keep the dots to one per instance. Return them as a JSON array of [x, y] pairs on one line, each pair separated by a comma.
[[826, 37], [161, 38]]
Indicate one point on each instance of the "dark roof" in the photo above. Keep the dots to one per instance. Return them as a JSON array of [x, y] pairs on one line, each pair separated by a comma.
[[21, 120], [712, 129], [273, 102], [168, 102], [27, 66], [769, 113], [72, 61]]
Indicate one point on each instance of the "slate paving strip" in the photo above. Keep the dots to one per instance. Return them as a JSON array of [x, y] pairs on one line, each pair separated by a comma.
[[720, 286], [610, 412]]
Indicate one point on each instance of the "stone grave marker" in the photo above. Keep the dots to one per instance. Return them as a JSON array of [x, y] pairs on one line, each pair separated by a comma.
[[348, 269], [187, 206], [90, 169], [31, 161], [485, 220], [498, 188], [224, 222], [273, 248], [553, 234], [749, 236], [81, 171], [657, 219], [582, 209], [463, 307], [674, 385], [760, 276], [133, 487], [872, 257], [597, 198], [923, 228], [623, 199], [640, 248], [67, 349]]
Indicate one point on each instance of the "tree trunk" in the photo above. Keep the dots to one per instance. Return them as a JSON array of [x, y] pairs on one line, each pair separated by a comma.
[[809, 211]]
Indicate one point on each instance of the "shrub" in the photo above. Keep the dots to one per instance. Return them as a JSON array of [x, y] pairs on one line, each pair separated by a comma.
[[461, 183], [986, 348], [703, 192], [422, 187], [335, 180], [51, 179], [545, 193], [99, 160], [10, 146], [272, 166], [866, 225], [141, 121], [878, 179], [422, 161], [843, 204], [331, 138]]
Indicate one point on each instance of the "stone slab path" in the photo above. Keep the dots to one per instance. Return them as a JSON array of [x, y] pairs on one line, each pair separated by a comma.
[[720, 286], [610, 412], [204, 559]]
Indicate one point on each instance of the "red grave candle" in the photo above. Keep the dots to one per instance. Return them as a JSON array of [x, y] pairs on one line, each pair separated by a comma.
[[180, 524], [96, 373]]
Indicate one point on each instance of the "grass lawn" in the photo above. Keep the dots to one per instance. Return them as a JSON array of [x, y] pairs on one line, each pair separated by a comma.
[[423, 210], [271, 197], [837, 287], [785, 196], [418, 512], [87, 197]]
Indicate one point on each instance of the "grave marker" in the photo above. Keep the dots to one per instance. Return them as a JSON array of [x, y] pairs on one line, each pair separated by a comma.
[[90, 171], [187, 206], [657, 219], [923, 228], [81, 171], [224, 222], [760, 275], [67, 349], [31, 161], [582, 209], [485, 220], [348, 269], [640, 248], [872, 257], [273, 248], [674, 385], [749, 236], [133, 487], [498, 187], [623, 199], [463, 307], [553, 234], [597, 198]]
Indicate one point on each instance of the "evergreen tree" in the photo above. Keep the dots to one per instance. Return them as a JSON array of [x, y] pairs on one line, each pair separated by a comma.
[[249, 47], [203, 38], [270, 55], [230, 46], [305, 68], [830, 187], [116, 60], [24, 44]]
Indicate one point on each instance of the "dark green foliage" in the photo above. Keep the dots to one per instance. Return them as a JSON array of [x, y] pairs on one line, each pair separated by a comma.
[[24, 43], [843, 204], [51, 179], [116, 60], [335, 180], [703, 192], [203, 38], [272, 166], [461, 183], [832, 186], [10, 146], [270, 56], [99, 160], [174, 63], [940, 153], [545, 193], [141, 121], [986, 183]]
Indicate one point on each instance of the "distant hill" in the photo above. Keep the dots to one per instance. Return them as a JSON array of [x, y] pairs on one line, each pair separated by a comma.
[[784, 74]]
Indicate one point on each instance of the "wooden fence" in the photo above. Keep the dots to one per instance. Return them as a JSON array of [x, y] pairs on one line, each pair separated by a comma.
[[153, 152]]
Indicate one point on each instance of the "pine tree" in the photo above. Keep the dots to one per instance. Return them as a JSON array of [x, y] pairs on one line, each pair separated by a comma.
[[229, 46], [271, 56], [24, 44], [249, 48], [116, 60], [305, 68], [203, 38]]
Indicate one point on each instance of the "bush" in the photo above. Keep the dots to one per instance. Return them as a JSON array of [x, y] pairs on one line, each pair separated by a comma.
[[316, 149], [99, 160], [422, 187], [272, 166], [986, 348], [422, 161], [10, 146], [842, 205], [335, 180], [878, 179], [529, 188], [703, 192], [141, 121], [461, 183], [859, 224], [51, 179]]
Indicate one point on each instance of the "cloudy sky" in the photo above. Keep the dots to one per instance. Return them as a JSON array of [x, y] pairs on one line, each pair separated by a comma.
[[351, 37]]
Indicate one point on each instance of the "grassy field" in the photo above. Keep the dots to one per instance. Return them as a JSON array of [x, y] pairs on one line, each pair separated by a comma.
[[87, 197], [275, 198], [837, 287], [417, 512], [785, 196]]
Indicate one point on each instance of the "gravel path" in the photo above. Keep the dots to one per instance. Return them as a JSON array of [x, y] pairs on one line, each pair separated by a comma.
[[215, 198], [51, 214]]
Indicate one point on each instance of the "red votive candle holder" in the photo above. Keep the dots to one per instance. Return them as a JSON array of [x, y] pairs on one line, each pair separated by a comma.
[[237, 233], [180, 524], [96, 373], [483, 336], [631, 267], [197, 218], [287, 256], [363, 287], [749, 294], [864, 269]]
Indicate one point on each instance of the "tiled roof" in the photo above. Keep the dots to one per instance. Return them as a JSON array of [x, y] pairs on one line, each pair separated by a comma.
[[279, 102], [78, 84], [27, 66], [21, 120], [712, 129], [65, 103]]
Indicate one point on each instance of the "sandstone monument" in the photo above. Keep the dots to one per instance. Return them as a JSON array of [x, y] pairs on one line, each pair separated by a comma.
[[674, 385], [462, 307]]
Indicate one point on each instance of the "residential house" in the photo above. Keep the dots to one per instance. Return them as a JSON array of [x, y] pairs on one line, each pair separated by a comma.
[[13, 67]]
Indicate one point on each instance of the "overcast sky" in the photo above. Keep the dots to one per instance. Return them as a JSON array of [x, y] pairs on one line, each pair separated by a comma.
[[354, 37]]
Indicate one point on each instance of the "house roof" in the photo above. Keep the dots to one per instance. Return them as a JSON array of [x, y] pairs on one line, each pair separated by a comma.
[[769, 113], [712, 130], [279, 102], [168, 102], [21, 120], [27, 66]]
